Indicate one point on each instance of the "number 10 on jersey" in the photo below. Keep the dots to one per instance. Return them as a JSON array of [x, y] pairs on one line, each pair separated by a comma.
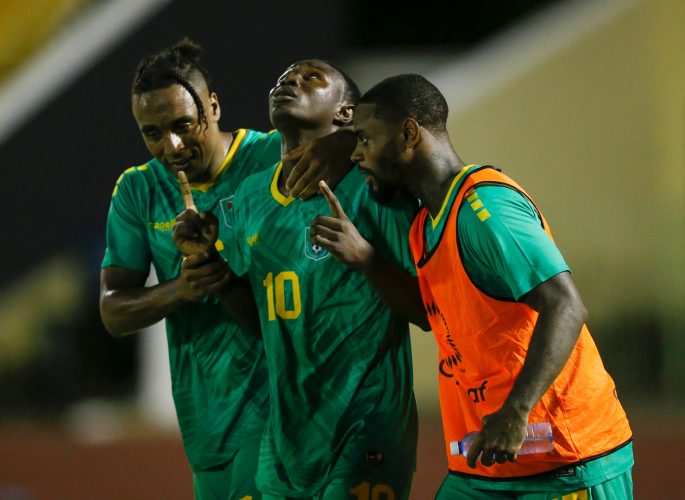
[[276, 296]]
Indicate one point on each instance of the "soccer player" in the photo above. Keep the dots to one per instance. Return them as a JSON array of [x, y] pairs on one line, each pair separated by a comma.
[[218, 371], [343, 420], [505, 312]]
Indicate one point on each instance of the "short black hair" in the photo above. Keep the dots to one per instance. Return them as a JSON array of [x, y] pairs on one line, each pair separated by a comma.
[[409, 96], [178, 64]]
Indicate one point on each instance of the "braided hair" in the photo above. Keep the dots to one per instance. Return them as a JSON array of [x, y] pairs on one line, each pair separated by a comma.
[[178, 64]]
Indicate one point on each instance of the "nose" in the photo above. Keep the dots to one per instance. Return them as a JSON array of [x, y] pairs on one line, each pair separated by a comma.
[[291, 78], [357, 154], [172, 144]]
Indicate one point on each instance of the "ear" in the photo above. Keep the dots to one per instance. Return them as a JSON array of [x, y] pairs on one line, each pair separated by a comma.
[[344, 114], [411, 133], [214, 107]]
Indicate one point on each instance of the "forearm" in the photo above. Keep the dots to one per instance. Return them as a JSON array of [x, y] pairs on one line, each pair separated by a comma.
[[399, 290], [238, 301], [128, 310], [554, 337]]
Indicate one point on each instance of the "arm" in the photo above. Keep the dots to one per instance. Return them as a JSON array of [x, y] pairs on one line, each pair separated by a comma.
[[561, 317], [239, 302], [127, 305], [326, 158], [400, 291], [196, 234]]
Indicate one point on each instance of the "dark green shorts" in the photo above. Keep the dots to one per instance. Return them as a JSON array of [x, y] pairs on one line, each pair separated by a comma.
[[388, 488], [618, 488], [605, 478], [233, 480]]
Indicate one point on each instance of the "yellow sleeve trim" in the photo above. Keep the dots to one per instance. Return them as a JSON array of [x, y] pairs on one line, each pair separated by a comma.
[[483, 214], [277, 195], [476, 205], [219, 245], [461, 174], [204, 186]]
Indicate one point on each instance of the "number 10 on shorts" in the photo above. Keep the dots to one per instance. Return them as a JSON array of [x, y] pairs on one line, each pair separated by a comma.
[[366, 491]]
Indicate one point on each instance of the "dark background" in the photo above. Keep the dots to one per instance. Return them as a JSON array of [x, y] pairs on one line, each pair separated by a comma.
[[60, 167]]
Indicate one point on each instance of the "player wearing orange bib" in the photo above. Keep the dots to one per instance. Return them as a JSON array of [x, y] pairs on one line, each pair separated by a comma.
[[499, 297]]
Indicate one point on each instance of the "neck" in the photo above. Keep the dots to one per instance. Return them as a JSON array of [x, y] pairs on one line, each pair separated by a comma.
[[293, 139], [219, 151], [435, 175]]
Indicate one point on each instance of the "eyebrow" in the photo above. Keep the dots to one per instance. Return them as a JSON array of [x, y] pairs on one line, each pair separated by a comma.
[[177, 121]]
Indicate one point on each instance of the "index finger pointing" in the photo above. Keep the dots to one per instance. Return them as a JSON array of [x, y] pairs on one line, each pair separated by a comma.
[[332, 200], [188, 201]]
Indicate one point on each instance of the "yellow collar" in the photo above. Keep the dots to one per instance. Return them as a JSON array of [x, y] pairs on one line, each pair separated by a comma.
[[278, 196]]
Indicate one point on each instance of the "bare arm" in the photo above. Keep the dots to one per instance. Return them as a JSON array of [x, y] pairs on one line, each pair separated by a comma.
[[127, 305], [399, 290], [561, 317], [196, 234], [240, 304]]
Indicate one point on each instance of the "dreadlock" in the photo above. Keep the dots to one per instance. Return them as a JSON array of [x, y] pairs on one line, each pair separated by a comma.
[[175, 65]]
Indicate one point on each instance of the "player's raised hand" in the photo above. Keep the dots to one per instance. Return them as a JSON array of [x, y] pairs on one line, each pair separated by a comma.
[[188, 201], [338, 234], [194, 232], [326, 158]]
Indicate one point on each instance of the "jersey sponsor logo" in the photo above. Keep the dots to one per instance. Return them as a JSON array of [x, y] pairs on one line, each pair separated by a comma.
[[432, 310], [312, 250], [449, 364], [226, 205], [477, 394], [163, 225], [252, 240]]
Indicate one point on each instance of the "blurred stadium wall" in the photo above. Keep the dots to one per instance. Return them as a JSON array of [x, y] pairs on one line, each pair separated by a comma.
[[596, 134]]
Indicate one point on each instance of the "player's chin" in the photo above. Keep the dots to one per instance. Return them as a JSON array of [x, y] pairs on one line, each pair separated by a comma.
[[195, 172], [382, 193]]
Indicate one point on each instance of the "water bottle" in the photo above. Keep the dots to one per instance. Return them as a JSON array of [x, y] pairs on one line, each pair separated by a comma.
[[538, 440]]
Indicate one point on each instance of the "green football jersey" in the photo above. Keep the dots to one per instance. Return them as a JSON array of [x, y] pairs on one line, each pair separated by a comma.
[[511, 254], [339, 361], [218, 372]]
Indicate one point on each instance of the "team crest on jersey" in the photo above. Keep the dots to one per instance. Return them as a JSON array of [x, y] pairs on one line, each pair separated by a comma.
[[226, 205], [313, 251]]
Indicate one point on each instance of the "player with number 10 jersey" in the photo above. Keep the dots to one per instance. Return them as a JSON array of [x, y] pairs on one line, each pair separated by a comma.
[[342, 407]]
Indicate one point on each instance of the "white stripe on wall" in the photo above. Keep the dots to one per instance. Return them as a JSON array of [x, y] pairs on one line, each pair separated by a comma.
[[67, 56]]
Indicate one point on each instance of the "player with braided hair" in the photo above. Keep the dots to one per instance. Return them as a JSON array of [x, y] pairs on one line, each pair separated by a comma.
[[217, 370]]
